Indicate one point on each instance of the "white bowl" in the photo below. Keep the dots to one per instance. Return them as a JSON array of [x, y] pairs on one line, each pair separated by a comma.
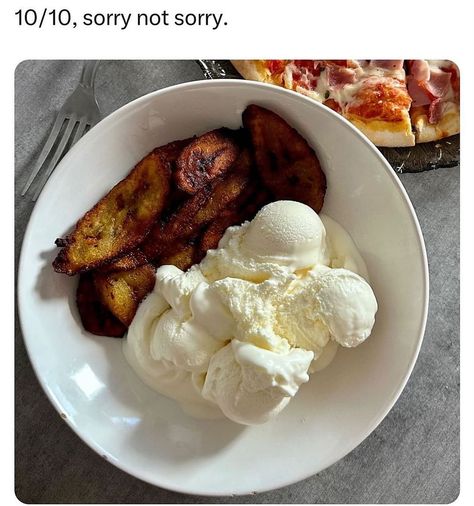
[[87, 378]]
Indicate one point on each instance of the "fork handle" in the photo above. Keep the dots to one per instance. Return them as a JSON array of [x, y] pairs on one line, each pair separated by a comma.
[[88, 73]]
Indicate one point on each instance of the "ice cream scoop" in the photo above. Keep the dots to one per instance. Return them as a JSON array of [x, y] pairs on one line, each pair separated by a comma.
[[327, 304], [284, 237], [252, 384], [273, 237]]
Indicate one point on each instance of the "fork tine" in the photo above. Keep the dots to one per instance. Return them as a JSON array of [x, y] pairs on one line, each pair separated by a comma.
[[57, 155], [58, 123], [79, 132]]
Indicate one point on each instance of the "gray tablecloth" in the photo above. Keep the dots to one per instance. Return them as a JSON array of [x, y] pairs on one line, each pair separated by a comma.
[[413, 456]]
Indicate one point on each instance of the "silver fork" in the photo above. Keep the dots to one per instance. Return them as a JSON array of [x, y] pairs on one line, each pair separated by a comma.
[[79, 113]]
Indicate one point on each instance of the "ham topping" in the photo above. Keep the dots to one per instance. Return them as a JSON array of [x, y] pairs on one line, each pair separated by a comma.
[[339, 76], [417, 92], [435, 110], [420, 70], [438, 83], [426, 85]]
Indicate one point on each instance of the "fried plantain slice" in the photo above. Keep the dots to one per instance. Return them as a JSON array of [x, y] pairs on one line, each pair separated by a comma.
[[95, 317], [205, 158], [170, 152], [214, 232], [119, 221], [179, 225], [200, 209], [182, 255], [223, 193], [121, 292], [288, 166], [127, 262]]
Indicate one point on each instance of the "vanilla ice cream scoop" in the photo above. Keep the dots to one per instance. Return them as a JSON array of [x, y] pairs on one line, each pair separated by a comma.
[[195, 326], [347, 304], [287, 233], [284, 237], [251, 384], [161, 375], [337, 300], [186, 344], [177, 287]]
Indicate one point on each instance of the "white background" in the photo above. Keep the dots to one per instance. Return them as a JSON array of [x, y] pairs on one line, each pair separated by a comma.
[[257, 29]]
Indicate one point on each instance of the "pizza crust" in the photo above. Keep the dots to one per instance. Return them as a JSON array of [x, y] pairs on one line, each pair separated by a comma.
[[253, 70], [425, 131], [385, 133]]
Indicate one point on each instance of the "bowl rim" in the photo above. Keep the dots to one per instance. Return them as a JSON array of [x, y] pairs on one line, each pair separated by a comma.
[[104, 124]]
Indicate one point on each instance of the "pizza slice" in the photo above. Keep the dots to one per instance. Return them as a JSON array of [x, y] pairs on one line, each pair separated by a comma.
[[371, 94], [434, 88]]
